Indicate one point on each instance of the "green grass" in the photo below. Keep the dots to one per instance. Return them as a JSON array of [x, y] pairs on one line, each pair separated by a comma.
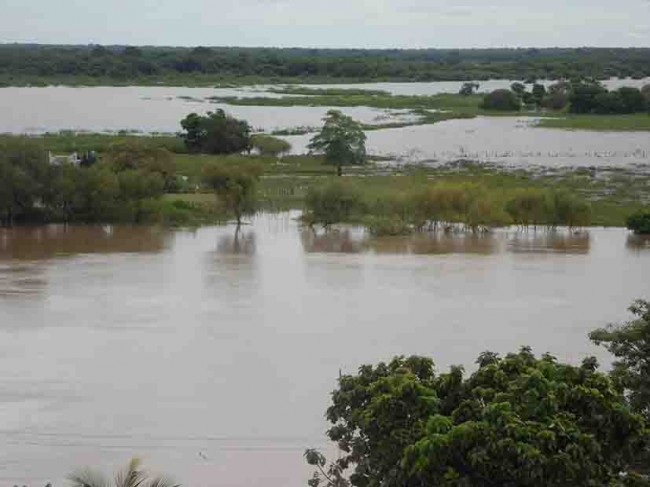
[[304, 90], [361, 98], [68, 142], [634, 122], [613, 194]]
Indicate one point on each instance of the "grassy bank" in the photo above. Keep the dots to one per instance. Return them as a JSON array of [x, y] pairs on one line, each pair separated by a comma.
[[612, 193], [633, 122]]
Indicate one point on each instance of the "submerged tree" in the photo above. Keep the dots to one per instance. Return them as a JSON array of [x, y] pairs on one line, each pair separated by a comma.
[[132, 476], [342, 140], [234, 184]]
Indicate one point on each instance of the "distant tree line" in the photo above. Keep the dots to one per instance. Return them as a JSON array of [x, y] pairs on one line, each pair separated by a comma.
[[29, 63]]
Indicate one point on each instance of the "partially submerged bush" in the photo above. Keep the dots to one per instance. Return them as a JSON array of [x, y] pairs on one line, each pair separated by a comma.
[[639, 222], [332, 203]]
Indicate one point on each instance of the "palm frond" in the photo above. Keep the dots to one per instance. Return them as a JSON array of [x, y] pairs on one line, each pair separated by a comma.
[[162, 482], [87, 477], [132, 476]]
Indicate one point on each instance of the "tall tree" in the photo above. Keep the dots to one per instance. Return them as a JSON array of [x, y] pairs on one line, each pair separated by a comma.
[[342, 140]]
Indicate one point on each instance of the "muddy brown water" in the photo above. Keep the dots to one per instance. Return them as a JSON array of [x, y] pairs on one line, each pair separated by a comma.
[[212, 355]]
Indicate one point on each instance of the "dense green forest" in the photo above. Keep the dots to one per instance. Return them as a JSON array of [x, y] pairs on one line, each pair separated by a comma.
[[32, 64]]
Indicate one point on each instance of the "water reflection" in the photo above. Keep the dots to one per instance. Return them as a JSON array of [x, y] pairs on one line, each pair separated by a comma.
[[21, 280], [638, 242], [555, 242], [241, 242], [355, 241], [45, 242], [336, 241]]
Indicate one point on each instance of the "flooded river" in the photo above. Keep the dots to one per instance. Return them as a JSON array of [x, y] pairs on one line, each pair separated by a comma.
[[211, 354], [505, 140]]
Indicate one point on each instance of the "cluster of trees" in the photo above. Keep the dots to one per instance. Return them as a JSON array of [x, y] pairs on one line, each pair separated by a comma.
[[119, 63], [220, 133], [594, 98], [443, 206], [517, 420], [580, 96], [215, 133], [125, 186]]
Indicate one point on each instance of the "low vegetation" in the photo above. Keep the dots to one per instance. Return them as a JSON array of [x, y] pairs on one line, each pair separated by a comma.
[[443, 206]]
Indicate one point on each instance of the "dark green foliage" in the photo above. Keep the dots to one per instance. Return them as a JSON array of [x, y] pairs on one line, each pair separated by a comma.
[[341, 140], [24, 173], [502, 100], [120, 65], [32, 190], [215, 133], [527, 422], [234, 185], [583, 96], [594, 98], [519, 421], [639, 222], [630, 343]]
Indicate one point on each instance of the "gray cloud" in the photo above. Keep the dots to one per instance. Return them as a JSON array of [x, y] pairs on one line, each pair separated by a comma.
[[331, 23]]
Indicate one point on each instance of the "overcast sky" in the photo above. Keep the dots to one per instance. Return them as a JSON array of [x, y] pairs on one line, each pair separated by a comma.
[[329, 23]]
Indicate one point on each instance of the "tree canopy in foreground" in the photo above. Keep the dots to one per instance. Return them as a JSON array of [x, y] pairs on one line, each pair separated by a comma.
[[518, 420]]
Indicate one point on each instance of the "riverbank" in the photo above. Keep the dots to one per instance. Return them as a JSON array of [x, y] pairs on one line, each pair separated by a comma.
[[613, 193]]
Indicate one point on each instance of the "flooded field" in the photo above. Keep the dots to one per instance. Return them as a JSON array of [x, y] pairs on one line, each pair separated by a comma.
[[210, 352], [507, 140]]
